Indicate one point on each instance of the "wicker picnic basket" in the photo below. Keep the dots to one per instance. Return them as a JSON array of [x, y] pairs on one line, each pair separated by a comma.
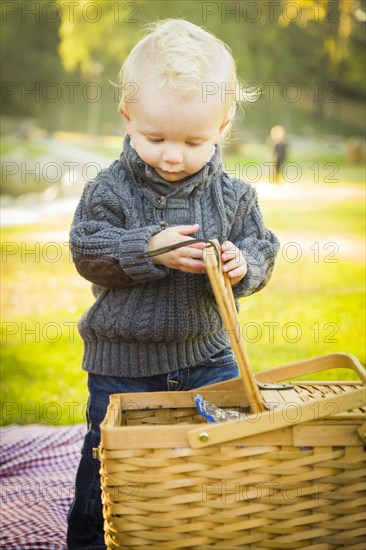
[[289, 474]]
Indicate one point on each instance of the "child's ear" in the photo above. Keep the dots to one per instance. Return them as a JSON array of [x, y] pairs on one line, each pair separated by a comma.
[[122, 109]]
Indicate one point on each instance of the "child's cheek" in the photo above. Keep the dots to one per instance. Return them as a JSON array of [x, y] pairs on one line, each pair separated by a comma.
[[143, 149]]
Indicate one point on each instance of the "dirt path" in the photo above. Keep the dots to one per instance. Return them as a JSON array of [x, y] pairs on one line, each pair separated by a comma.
[[288, 192]]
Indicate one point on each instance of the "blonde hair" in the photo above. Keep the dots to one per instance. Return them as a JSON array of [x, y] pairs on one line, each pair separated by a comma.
[[188, 59]]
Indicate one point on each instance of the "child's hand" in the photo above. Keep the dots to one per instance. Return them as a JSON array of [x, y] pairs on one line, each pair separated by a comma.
[[187, 258], [233, 262]]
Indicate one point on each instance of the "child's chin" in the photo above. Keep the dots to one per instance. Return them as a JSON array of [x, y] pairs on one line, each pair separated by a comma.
[[172, 176]]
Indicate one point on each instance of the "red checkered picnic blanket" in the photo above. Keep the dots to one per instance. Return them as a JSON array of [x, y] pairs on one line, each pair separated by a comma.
[[38, 468]]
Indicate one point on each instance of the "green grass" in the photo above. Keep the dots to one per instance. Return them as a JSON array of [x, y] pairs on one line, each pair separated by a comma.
[[27, 149], [311, 306], [42, 301], [308, 309], [341, 218]]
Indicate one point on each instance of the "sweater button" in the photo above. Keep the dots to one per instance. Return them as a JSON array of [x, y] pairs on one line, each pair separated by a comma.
[[163, 224], [160, 202]]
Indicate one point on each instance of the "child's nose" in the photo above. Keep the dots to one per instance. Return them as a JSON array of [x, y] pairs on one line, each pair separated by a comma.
[[172, 155]]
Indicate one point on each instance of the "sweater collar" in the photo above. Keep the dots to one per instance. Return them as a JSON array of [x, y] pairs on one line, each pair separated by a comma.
[[145, 174]]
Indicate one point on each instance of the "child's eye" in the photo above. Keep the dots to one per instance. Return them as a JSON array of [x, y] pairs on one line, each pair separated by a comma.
[[155, 140], [193, 144]]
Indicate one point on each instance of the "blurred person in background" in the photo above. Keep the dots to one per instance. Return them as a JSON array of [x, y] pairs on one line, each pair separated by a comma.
[[278, 143]]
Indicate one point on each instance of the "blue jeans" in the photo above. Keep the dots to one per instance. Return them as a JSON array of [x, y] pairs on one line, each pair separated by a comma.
[[85, 520]]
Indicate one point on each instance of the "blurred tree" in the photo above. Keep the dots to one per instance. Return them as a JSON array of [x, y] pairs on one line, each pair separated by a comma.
[[317, 45], [95, 38], [98, 32], [333, 32], [32, 72], [312, 36]]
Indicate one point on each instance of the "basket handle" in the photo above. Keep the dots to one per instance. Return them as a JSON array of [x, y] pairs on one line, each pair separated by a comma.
[[254, 424], [223, 293], [315, 364]]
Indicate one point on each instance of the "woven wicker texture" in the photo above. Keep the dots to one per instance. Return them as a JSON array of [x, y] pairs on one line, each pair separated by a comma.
[[234, 495]]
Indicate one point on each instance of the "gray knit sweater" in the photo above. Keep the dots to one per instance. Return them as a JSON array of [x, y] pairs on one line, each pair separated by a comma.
[[148, 319]]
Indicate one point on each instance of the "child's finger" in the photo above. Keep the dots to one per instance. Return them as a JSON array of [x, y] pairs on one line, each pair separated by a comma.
[[186, 229], [232, 264], [228, 246], [191, 265], [190, 252], [230, 251], [232, 256], [199, 246], [237, 272]]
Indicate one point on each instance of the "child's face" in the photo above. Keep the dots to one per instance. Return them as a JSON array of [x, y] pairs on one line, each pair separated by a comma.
[[175, 135]]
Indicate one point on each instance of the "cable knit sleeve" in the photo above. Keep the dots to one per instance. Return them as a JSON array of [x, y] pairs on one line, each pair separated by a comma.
[[258, 244], [103, 250]]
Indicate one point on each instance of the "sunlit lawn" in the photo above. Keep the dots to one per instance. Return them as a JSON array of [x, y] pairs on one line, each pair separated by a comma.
[[313, 305]]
